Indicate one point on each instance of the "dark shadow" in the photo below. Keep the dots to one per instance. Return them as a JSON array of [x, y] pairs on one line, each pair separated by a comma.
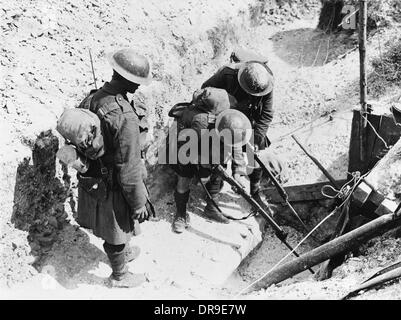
[[311, 212], [206, 236], [307, 47], [39, 199]]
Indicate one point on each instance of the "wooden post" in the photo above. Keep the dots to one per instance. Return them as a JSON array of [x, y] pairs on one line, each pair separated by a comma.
[[363, 17]]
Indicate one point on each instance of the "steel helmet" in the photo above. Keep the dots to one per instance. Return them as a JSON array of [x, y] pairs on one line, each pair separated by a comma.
[[233, 127], [130, 65], [255, 78]]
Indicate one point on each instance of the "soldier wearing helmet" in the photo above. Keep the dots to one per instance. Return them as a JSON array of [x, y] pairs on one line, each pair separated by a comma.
[[116, 217], [251, 83], [209, 108]]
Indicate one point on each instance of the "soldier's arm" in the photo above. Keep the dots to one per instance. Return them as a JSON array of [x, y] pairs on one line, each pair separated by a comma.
[[215, 81], [263, 122], [128, 160]]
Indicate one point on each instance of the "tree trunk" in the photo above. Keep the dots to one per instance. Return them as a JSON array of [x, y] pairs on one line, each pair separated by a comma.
[[330, 15]]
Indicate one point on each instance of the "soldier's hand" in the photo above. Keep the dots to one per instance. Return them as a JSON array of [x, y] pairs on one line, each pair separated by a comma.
[[141, 214], [240, 179]]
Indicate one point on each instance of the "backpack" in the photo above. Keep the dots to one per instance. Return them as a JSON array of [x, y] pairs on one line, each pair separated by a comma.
[[198, 114], [209, 101], [81, 127]]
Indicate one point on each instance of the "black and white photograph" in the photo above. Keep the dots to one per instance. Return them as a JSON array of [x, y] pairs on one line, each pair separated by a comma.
[[216, 152]]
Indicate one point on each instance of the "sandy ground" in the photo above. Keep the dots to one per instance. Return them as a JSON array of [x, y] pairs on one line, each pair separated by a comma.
[[310, 82]]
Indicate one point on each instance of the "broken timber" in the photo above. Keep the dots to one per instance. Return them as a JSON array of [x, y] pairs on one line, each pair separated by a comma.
[[382, 186], [382, 121], [386, 128], [339, 245], [299, 193], [326, 268]]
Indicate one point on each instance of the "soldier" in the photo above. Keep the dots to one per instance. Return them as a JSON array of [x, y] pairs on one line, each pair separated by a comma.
[[251, 83], [199, 115], [116, 217]]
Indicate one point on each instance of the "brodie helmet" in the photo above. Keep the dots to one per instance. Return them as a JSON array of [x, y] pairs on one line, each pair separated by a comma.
[[130, 65], [255, 78], [234, 127]]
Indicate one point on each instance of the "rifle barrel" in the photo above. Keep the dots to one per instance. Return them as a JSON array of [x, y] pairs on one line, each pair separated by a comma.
[[280, 233], [93, 70], [280, 190], [318, 164]]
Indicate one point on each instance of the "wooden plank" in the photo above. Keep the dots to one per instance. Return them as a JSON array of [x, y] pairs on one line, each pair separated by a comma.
[[372, 141], [386, 207], [385, 177], [375, 198], [354, 163], [299, 193], [361, 194], [388, 130]]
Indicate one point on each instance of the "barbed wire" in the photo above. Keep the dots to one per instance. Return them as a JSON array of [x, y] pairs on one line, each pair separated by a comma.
[[374, 130], [330, 114]]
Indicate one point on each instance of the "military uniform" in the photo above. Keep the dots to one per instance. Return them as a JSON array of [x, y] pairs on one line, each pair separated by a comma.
[[110, 218], [198, 120], [259, 110], [201, 115]]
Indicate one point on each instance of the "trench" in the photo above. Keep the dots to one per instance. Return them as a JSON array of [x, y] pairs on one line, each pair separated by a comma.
[[267, 255], [78, 258]]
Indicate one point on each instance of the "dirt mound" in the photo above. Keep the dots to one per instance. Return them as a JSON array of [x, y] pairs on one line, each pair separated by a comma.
[[40, 195]]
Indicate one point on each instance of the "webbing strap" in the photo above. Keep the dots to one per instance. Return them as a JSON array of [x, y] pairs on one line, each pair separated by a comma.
[[103, 169]]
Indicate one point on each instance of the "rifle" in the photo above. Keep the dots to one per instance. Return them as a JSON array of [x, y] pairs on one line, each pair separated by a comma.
[[318, 164], [278, 186], [280, 233], [93, 70]]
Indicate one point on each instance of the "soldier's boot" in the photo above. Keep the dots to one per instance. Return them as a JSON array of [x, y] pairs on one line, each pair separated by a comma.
[[212, 213], [181, 217], [131, 252], [121, 277], [214, 186], [255, 177]]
